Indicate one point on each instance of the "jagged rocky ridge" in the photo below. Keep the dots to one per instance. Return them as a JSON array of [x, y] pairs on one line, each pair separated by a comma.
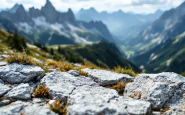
[[89, 95], [50, 27]]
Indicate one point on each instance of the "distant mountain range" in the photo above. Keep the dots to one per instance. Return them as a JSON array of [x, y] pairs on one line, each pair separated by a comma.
[[120, 23], [162, 46], [50, 27], [169, 25]]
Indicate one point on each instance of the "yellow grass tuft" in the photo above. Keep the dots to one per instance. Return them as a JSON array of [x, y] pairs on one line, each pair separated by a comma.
[[41, 91], [23, 58], [59, 107], [125, 70], [119, 87]]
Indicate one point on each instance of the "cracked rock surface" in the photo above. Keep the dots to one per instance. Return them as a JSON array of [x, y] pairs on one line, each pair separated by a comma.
[[3, 89], [161, 90], [86, 95], [62, 84], [104, 77], [20, 92]]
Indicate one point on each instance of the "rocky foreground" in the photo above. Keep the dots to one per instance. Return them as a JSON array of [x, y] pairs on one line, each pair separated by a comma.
[[156, 94]]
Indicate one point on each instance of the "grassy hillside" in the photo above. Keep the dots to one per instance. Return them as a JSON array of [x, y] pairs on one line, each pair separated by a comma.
[[103, 54], [168, 56]]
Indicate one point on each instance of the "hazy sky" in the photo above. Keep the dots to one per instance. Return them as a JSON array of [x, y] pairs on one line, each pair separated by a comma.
[[137, 6]]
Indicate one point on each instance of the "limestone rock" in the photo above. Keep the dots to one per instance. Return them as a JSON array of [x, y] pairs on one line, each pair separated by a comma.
[[21, 92], [88, 100], [62, 84], [16, 73], [3, 63], [3, 89], [12, 109], [74, 72], [175, 112], [163, 89], [104, 77], [36, 109], [4, 102], [77, 65]]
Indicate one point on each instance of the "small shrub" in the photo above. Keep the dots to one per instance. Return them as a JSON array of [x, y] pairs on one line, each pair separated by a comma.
[[59, 107], [120, 87], [183, 74], [125, 70], [16, 42], [41, 91]]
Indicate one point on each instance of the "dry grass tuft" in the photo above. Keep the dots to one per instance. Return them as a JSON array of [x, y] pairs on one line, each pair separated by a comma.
[[125, 70], [164, 110], [119, 87], [66, 67], [183, 74], [59, 107], [23, 58], [83, 73], [53, 64], [41, 91]]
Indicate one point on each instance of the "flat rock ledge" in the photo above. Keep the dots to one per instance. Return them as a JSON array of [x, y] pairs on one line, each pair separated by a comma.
[[105, 78]]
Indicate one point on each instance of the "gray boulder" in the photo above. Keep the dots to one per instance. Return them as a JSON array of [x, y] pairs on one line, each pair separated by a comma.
[[3, 89], [163, 89], [17, 73], [21, 92], [104, 77], [62, 84]]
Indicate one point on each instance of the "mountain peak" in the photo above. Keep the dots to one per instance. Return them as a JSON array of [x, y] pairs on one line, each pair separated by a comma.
[[70, 10], [92, 9], [49, 5], [16, 7]]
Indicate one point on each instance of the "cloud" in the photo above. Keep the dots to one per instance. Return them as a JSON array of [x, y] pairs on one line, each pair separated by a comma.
[[142, 2], [138, 6]]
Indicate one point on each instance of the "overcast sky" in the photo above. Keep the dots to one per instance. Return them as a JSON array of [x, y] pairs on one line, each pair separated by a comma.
[[137, 6]]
